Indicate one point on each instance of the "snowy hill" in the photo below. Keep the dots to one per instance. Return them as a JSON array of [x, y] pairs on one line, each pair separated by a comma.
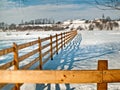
[[97, 24]]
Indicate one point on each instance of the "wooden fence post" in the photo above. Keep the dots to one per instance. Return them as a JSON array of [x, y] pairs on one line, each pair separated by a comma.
[[56, 44], [70, 37], [61, 41], [76, 32], [102, 65], [64, 39], [51, 48], [16, 63], [40, 53]]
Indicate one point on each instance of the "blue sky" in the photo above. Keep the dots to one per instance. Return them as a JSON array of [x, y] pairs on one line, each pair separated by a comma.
[[38, 2], [13, 11]]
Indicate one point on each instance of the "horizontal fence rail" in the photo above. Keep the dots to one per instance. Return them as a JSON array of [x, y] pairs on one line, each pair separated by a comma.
[[33, 76], [99, 76], [45, 48], [50, 76]]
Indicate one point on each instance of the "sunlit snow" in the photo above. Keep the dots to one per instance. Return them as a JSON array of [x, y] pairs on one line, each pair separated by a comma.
[[82, 53]]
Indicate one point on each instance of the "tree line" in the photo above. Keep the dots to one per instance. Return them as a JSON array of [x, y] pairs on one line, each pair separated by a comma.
[[5, 26]]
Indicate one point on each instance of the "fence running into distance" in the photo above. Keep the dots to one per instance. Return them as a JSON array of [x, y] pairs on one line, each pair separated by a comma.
[[45, 47], [101, 76]]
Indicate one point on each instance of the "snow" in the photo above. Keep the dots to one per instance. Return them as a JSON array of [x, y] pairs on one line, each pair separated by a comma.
[[83, 25], [41, 25], [67, 22], [82, 53]]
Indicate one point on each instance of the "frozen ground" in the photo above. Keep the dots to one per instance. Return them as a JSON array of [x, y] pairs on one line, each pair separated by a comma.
[[7, 38], [82, 53]]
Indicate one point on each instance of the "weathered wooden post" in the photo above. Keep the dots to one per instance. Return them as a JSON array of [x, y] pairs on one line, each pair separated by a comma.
[[16, 63], [61, 41], [56, 43], [70, 37], [67, 37], [51, 48], [76, 32], [40, 53], [102, 65], [64, 39]]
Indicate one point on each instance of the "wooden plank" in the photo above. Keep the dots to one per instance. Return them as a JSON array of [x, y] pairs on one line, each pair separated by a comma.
[[67, 39], [102, 65], [7, 65], [53, 41], [69, 32], [71, 38], [46, 52], [54, 47], [27, 66], [16, 63], [40, 53], [28, 55], [59, 39], [51, 49], [53, 36], [64, 39], [45, 46], [27, 44], [6, 51], [44, 76], [68, 36], [45, 39], [75, 32], [56, 44], [46, 59], [59, 47], [111, 76], [59, 44], [59, 34]]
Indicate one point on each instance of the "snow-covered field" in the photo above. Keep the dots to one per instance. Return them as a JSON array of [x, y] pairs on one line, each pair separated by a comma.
[[7, 38], [82, 53]]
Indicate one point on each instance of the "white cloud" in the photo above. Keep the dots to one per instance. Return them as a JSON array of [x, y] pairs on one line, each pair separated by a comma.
[[57, 12], [6, 4]]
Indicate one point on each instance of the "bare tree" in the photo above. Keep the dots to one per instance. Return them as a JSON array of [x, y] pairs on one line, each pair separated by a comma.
[[108, 4]]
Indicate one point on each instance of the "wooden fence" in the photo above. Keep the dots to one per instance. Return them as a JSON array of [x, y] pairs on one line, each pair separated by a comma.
[[101, 76], [52, 45]]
